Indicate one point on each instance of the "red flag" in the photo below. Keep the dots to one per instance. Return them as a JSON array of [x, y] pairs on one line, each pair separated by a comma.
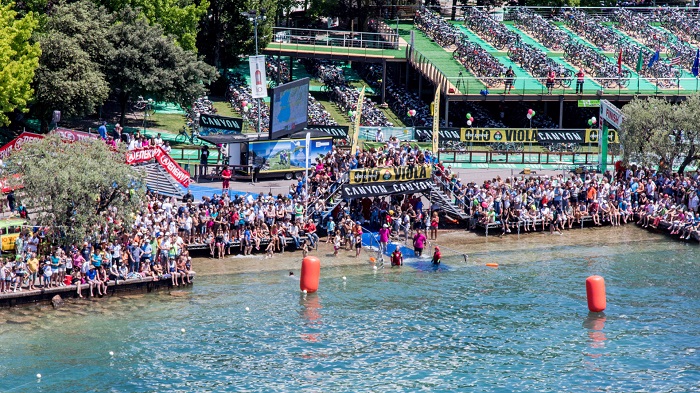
[[619, 63]]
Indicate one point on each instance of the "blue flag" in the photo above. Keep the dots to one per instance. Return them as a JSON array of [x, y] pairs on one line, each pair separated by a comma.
[[653, 59], [696, 63]]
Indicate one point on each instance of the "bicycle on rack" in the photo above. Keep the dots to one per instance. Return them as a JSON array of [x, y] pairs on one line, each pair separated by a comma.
[[192, 138], [508, 146]]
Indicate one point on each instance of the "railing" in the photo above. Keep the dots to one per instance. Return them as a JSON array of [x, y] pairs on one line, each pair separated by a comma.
[[333, 190], [563, 160], [335, 38], [447, 189], [564, 86]]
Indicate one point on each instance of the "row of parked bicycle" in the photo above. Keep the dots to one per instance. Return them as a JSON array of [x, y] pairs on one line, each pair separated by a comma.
[[581, 54], [344, 95], [576, 52]]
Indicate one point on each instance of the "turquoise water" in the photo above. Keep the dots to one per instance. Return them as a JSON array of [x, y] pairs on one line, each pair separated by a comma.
[[523, 327]]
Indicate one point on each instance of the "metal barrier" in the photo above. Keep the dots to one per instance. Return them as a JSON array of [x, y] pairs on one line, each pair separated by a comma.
[[564, 160], [336, 38]]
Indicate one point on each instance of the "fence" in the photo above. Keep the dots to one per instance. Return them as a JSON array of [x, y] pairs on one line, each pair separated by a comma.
[[563, 159], [336, 38]]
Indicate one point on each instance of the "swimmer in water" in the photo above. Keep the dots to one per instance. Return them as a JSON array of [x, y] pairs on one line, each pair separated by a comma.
[[436, 256]]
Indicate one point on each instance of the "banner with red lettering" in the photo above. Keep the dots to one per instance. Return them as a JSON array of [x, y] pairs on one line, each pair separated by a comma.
[[159, 154], [173, 168], [16, 144], [73, 135], [141, 155]]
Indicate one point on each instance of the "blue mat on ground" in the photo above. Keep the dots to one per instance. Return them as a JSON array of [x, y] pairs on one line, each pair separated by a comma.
[[199, 190], [410, 258]]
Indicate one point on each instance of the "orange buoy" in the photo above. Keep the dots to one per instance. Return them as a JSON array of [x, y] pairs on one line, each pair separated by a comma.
[[492, 264], [310, 274], [595, 292]]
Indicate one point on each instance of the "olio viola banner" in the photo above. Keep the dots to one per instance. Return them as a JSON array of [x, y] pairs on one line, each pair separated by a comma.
[[398, 174], [525, 135]]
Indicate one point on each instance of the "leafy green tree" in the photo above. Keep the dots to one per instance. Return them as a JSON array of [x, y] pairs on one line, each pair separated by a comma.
[[179, 18], [226, 33], [19, 59], [69, 78], [89, 182], [655, 131], [145, 62]]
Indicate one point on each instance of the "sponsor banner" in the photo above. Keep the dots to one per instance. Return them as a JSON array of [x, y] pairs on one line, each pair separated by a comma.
[[17, 143], [593, 136], [588, 103], [258, 79], [610, 113], [8, 241], [145, 154], [446, 134], [560, 136], [173, 168], [436, 120], [389, 188], [74, 136], [212, 125], [525, 135], [391, 174], [156, 152], [356, 125], [337, 132]]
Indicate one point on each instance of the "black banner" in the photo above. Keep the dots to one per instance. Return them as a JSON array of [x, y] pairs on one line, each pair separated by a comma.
[[337, 132], [386, 188], [425, 134], [221, 122], [561, 136]]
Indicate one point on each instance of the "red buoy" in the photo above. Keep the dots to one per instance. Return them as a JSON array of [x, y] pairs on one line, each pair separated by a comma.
[[310, 274], [595, 292]]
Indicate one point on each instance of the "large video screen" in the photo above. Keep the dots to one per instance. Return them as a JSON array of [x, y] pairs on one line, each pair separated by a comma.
[[287, 154], [289, 108]]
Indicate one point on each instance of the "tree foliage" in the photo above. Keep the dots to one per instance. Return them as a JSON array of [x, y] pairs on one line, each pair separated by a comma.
[[19, 59], [226, 33], [179, 18], [75, 187], [655, 131], [145, 62], [69, 78]]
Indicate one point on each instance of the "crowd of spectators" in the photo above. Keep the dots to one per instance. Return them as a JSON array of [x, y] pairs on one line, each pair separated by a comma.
[[558, 202]]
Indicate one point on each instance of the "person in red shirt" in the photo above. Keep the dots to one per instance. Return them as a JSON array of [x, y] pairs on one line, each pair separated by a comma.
[[396, 258], [310, 229], [436, 256], [226, 177]]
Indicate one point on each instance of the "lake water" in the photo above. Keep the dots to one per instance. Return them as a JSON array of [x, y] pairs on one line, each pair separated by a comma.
[[522, 327]]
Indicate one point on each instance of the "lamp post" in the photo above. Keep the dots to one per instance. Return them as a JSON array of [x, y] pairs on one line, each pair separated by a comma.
[[254, 17]]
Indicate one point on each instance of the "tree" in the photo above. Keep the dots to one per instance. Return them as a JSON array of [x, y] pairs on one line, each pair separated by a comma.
[[145, 62], [19, 59], [655, 131], [226, 33], [69, 77], [179, 18], [89, 183]]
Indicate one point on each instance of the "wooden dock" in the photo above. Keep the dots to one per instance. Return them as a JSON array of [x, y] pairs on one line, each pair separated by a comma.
[[44, 295]]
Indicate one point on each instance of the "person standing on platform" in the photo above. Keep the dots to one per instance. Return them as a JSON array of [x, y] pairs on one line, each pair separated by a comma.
[[204, 160], [226, 178], [579, 81], [510, 78], [551, 76]]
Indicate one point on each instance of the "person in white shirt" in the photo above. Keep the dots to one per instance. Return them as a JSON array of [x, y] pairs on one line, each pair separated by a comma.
[[380, 136]]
